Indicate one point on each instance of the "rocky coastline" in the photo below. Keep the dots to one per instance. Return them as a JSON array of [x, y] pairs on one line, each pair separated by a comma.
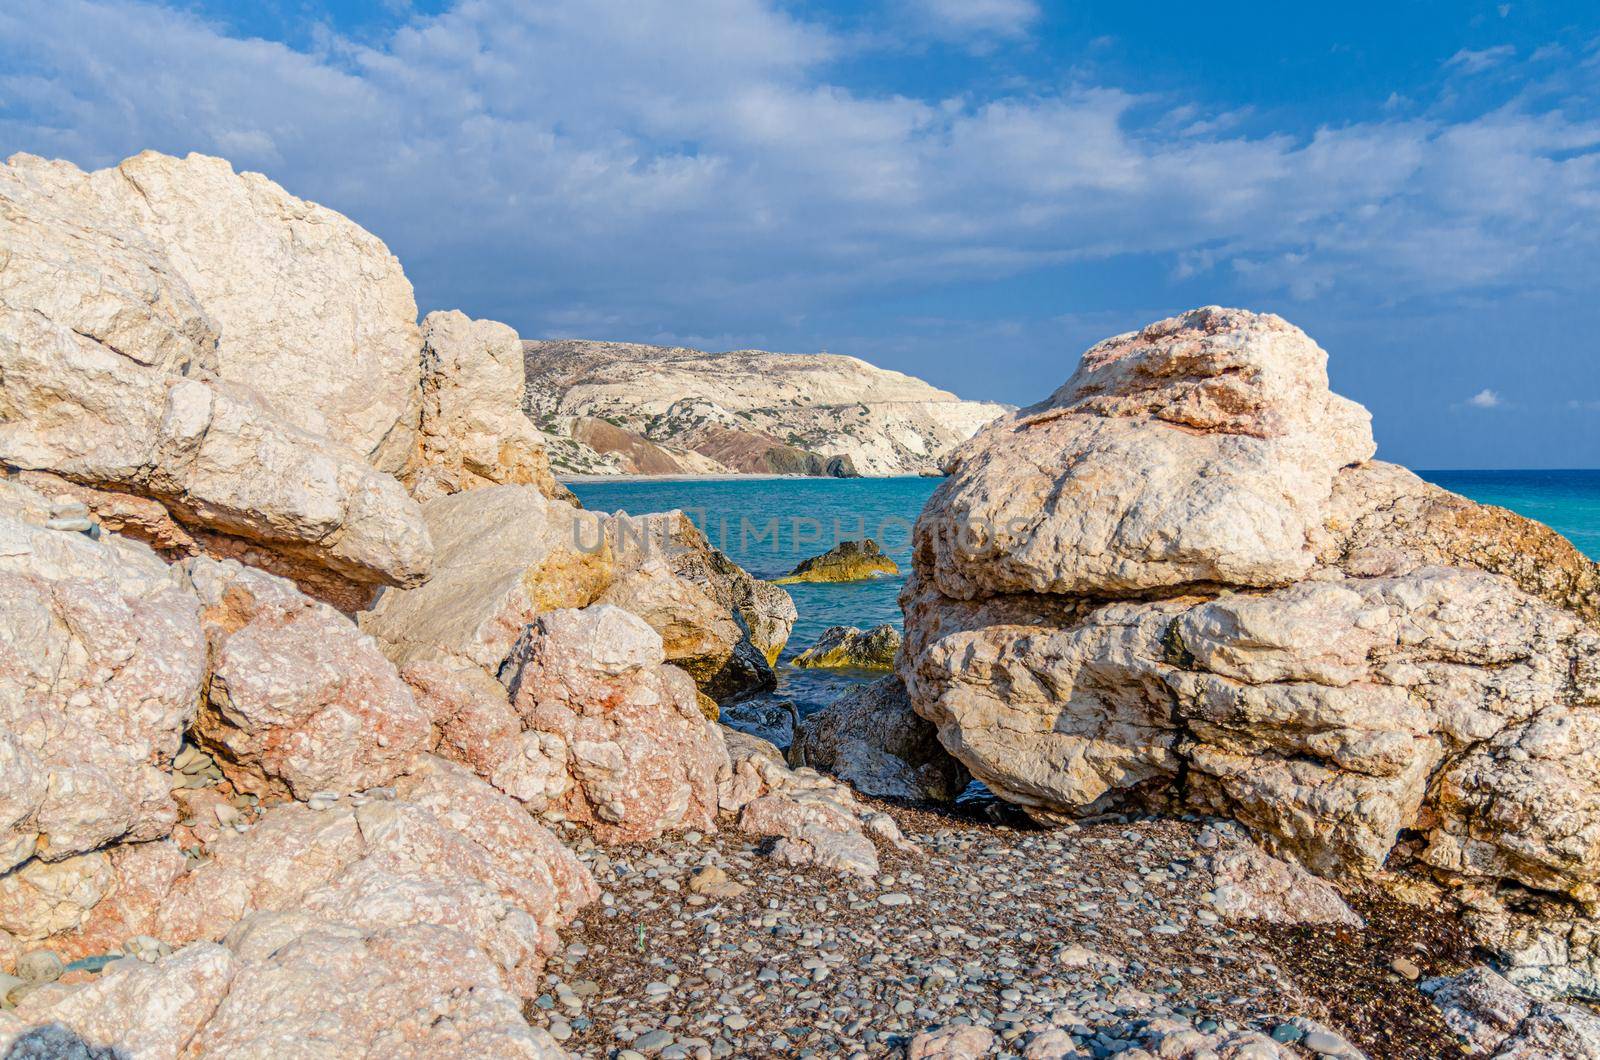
[[331, 726], [617, 408]]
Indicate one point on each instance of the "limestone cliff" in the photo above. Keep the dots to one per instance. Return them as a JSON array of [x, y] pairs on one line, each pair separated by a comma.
[[670, 410]]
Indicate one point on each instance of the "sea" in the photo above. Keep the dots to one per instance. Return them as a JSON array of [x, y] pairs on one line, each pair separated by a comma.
[[767, 525]]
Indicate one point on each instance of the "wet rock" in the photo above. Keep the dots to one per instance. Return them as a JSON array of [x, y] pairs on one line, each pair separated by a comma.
[[870, 738], [848, 561], [849, 647]]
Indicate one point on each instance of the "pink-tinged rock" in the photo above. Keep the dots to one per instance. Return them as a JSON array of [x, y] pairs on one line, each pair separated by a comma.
[[299, 698], [617, 735], [142, 875], [415, 992], [816, 820], [41, 898], [502, 828], [292, 849], [954, 1042], [1249, 884], [445, 848], [142, 1011], [1227, 417], [697, 633], [100, 670], [471, 714]]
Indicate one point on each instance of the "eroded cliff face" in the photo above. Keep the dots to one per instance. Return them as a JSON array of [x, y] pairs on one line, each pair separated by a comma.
[[1182, 582], [669, 410]]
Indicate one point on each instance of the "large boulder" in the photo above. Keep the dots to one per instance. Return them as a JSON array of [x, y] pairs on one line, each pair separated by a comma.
[[299, 699], [595, 727], [473, 430], [613, 737], [114, 381], [1179, 583], [334, 329], [503, 554], [1200, 450], [101, 668]]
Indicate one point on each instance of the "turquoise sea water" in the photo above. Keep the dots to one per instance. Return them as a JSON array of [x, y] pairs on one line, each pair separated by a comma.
[[1567, 500], [769, 525]]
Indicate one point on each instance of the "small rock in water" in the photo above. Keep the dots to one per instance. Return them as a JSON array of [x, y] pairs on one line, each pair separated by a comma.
[[1406, 969]]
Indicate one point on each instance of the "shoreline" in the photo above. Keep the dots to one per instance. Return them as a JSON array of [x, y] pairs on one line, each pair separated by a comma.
[[731, 477]]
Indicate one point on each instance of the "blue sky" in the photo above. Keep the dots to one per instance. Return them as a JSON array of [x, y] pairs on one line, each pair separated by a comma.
[[969, 190]]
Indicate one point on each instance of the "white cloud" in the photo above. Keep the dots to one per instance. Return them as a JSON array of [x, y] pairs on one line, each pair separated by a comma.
[[1476, 62], [688, 166], [1485, 399], [969, 19]]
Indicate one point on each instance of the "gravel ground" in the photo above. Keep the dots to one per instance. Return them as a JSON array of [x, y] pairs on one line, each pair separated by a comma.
[[1090, 929]]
